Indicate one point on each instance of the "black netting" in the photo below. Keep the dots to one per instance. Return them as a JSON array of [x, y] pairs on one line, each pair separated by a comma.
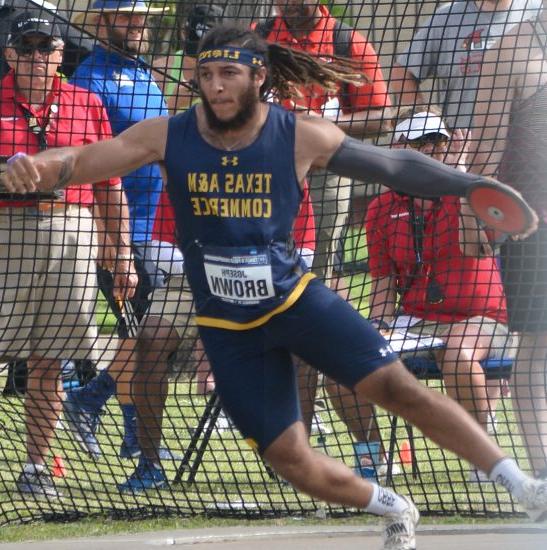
[[457, 299]]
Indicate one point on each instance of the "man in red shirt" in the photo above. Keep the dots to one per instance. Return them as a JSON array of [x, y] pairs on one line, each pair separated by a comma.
[[360, 111], [48, 244], [427, 256]]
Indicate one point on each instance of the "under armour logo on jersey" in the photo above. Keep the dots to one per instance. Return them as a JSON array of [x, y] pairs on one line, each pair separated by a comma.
[[231, 161]]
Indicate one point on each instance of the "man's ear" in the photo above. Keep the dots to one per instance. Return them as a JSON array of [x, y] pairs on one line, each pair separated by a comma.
[[260, 76], [10, 56]]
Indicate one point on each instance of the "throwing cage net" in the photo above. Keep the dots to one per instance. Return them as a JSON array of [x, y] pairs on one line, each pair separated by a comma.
[[91, 381]]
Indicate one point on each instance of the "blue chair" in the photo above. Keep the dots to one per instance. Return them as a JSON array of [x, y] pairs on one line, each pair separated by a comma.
[[426, 368]]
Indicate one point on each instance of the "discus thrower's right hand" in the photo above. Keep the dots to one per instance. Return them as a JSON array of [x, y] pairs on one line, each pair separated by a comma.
[[27, 174]]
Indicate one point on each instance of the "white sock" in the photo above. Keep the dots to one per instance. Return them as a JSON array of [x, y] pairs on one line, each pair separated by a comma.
[[385, 501], [507, 474], [32, 468]]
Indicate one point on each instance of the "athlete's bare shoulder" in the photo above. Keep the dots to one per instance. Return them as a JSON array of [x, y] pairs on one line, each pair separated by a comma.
[[317, 139]]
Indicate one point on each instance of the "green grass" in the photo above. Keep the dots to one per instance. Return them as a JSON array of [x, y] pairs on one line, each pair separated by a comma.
[[106, 320], [230, 471]]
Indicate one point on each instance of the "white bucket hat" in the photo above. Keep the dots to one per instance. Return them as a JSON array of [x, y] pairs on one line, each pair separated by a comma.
[[419, 125]]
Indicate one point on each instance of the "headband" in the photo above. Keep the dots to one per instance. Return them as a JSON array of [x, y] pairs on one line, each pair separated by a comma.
[[230, 54]]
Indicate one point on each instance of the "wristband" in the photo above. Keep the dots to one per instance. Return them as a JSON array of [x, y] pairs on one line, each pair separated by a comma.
[[378, 324], [13, 158], [124, 257]]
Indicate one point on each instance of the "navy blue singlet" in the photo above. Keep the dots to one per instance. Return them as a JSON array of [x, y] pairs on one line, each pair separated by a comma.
[[234, 214]]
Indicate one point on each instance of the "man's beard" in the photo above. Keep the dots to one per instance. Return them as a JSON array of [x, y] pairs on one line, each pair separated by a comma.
[[248, 106], [301, 17], [132, 47]]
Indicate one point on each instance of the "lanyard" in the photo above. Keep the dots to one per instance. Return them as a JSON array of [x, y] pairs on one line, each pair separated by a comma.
[[40, 130], [418, 230], [434, 293]]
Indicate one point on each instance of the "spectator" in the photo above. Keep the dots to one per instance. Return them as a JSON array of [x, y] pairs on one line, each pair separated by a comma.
[[449, 48], [75, 46], [178, 69], [359, 111], [116, 72], [512, 140], [426, 254], [47, 247]]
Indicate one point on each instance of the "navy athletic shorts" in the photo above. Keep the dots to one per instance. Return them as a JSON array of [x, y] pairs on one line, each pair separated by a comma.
[[254, 373]]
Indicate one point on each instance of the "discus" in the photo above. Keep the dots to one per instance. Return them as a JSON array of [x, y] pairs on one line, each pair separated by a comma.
[[501, 208]]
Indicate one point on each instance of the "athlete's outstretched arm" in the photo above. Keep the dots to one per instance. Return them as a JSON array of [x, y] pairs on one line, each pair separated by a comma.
[[402, 170], [319, 144], [52, 169]]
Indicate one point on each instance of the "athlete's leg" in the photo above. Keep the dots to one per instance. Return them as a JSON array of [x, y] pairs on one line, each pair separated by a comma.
[[326, 332], [437, 416], [337, 340], [256, 382]]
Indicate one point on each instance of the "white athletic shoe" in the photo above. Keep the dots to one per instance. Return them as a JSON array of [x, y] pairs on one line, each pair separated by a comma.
[[534, 499], [400, 529]]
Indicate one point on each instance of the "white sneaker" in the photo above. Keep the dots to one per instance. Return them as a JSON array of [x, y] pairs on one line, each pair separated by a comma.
[[534, 499], [400, 529], [478, 476]]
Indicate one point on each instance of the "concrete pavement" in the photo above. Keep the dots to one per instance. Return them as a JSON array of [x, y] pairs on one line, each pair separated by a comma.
[[430, 537]]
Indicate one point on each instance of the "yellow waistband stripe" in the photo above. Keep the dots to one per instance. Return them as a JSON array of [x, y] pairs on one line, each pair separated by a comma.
[[214, 322]]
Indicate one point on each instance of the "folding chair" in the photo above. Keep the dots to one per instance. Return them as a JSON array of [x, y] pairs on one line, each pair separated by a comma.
[[425, 368]]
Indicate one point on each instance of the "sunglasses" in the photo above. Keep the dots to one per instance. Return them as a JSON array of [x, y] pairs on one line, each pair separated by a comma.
[[26, 49], [427, 139]]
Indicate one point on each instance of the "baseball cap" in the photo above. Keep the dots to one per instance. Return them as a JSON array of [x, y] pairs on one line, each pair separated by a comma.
[[201, 19], [419, 125], [32, 23], [87, 19], [133, 6]]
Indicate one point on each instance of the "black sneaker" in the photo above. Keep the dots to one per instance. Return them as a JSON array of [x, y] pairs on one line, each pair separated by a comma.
[[37, 484]]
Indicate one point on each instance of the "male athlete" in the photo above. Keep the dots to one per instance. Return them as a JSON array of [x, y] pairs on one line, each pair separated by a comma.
[[235, 166]]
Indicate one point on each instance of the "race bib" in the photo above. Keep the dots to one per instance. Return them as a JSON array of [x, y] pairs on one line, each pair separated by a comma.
[[239, 275]]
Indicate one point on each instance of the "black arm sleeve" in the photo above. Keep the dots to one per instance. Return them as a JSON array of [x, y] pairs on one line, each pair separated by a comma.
[[402, 170]]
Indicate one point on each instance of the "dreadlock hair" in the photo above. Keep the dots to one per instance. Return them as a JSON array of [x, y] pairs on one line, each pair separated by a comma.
[[287, 68]]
